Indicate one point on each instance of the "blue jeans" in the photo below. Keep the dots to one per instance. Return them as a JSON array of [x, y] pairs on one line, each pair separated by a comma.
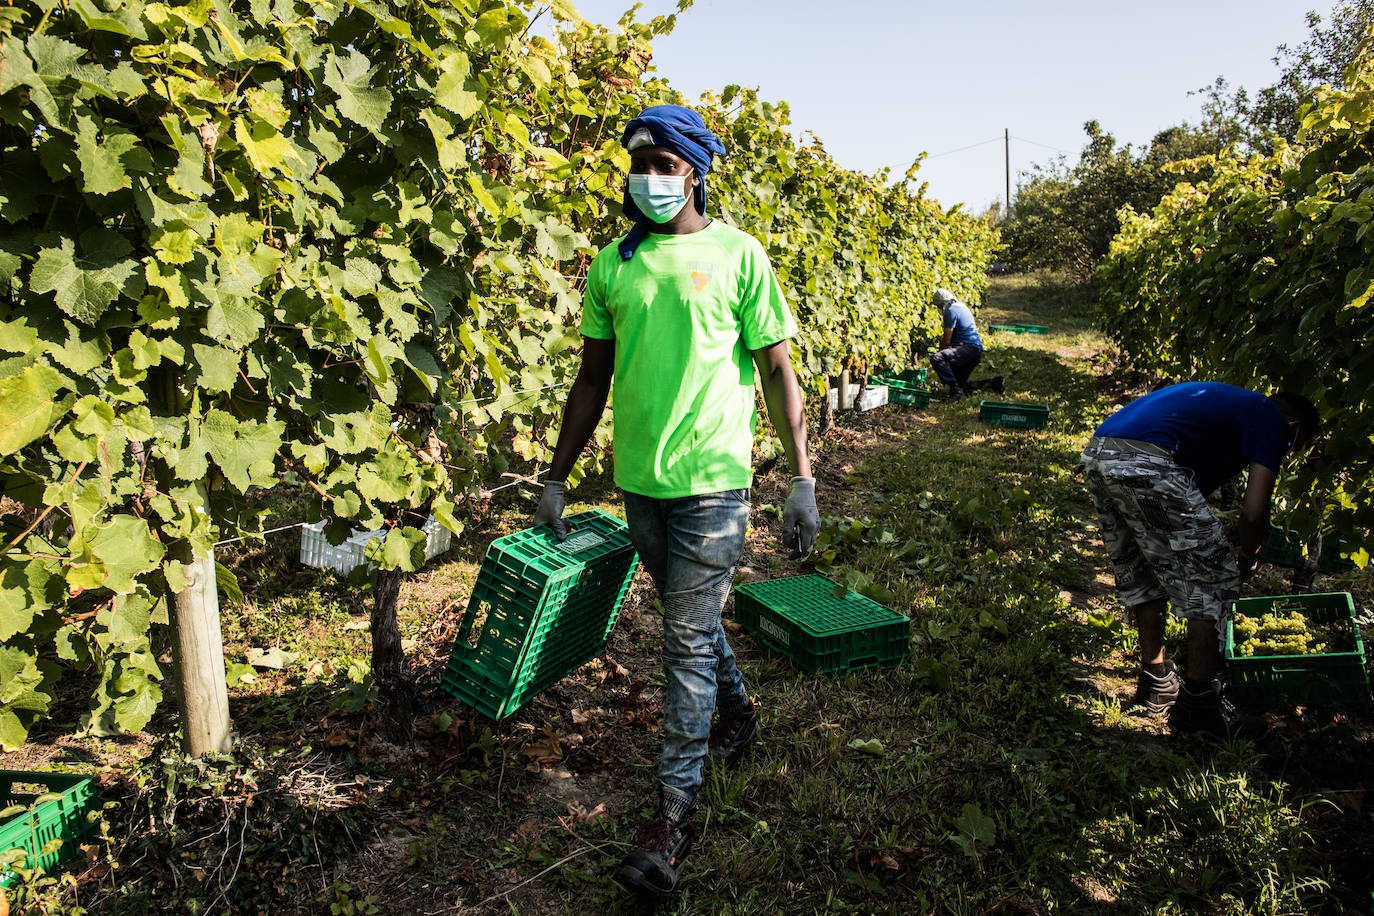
[[955, 364], [691, 546]]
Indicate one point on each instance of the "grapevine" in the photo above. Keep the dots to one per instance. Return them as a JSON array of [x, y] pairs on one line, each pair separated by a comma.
[[1260, 276], [344, 243]]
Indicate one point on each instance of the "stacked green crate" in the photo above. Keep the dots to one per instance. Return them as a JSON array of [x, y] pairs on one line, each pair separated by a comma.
[[901, 391], [802, 618], [911, 376], [31, 825], [547, 608], [1326, 677]]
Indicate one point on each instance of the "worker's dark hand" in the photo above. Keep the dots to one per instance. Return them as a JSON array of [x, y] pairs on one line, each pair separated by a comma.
[[1247, 567], [800, 520], [551, 506]]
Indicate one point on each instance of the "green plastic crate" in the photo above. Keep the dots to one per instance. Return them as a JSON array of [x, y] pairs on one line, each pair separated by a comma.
[[63, 818], [549, 609], [911, 376], [911, 397], [901, 391], [1015, 414], [1331, 562], [1280, 547], [1007, 328], [799, 617], [1285, 547], [1033, 328], [1331, 677]]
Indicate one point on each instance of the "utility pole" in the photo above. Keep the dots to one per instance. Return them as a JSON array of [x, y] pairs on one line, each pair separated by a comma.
[[1006, 140]]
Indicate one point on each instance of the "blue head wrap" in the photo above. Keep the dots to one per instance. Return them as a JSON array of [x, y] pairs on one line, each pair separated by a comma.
[[684, 132]]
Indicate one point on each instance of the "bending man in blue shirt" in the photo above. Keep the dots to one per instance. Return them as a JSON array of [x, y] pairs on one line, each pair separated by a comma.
[[961, 349], [1149, 468]]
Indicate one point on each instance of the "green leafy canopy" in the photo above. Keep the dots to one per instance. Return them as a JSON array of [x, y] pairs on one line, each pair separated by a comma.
[[251, 237]]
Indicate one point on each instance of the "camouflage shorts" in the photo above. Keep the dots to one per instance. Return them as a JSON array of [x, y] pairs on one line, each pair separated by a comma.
[[1163, 538]]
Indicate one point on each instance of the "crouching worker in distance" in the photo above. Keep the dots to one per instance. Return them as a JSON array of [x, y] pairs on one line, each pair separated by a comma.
[[961, 349], [1149, 468], [679, 315]]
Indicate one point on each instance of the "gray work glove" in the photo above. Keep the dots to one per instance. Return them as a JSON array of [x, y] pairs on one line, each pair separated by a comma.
[[800, 520], [551, 506]]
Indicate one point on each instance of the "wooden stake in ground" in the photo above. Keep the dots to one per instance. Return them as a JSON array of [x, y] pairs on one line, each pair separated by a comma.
[[198, 651], [390, 671]]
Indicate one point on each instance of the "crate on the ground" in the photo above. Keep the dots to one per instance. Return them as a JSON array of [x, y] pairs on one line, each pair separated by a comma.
[[901, 391], [911, 376], [1015, 414], [910, 397], [1331, 562], [1285, 548], [540, 609], [873, 396], [801, 617], [316, 550], [1020, 328], [1328, 677], [63, 816]]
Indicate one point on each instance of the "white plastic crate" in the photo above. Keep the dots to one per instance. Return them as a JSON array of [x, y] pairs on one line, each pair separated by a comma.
[[316, 550], [874, 396]]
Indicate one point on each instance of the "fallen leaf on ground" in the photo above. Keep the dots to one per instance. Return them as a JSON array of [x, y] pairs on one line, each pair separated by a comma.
[[578, 814], [885, 861], [270, 658], [341, 737], [871, 746], [545, 750]]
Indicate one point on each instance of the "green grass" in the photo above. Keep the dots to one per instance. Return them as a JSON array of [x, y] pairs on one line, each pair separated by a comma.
[[1010, 779]]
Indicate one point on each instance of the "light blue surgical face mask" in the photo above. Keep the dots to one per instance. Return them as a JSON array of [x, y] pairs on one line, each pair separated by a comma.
[[659, 197]]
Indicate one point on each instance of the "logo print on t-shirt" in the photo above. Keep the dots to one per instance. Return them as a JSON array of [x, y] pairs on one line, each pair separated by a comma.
[[700, 279]]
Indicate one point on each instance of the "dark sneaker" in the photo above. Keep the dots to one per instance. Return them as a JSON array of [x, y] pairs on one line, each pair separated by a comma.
[[995, 383], [654, 868], [1206, 715], [731, 738], [957, 394], [1156, 693]]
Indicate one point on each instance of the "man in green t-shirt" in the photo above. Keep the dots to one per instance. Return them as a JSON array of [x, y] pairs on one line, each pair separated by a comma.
[[680, 314]]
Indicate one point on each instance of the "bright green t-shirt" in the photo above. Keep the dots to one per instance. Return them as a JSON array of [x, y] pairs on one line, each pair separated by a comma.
[[685, 312]]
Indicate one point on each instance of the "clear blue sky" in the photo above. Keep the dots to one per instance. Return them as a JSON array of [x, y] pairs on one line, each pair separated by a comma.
[[881, 80]]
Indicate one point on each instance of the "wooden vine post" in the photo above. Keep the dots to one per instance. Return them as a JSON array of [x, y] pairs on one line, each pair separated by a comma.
[[198, 653], [390, 671]]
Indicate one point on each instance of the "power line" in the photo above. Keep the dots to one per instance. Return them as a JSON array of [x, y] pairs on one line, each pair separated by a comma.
[[950, 152], [1045, 145]]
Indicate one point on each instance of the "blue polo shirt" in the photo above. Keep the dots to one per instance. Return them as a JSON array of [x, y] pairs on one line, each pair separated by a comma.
[[960, 317], [1214, 430]]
